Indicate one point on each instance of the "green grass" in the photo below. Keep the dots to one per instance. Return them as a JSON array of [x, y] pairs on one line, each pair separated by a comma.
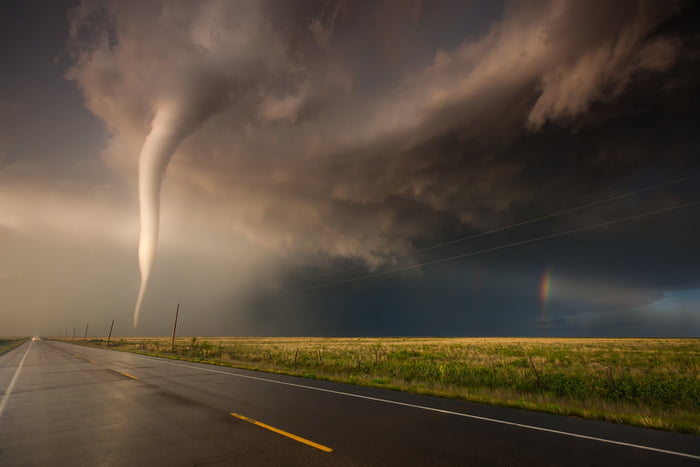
[[646, 382], [9, 343]]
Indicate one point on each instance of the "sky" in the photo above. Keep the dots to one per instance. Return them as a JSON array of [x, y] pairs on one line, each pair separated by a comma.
[[350, 168]]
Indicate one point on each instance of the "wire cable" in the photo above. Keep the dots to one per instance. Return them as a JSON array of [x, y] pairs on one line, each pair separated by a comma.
[[501, 247], [506, 227]]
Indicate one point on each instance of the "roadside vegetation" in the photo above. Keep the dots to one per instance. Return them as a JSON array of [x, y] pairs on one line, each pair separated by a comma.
[[647, 382], [9, 343]]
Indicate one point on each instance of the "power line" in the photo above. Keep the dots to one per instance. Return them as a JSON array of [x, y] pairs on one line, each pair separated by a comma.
[[502, 247], [506, 227]]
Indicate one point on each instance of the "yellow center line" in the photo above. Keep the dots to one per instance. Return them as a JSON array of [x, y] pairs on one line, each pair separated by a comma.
[[128, 375], [91, 361], [283, 433]]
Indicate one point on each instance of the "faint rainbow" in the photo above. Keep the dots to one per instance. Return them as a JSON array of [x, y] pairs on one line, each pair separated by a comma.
[[546, 286], [545, 293]]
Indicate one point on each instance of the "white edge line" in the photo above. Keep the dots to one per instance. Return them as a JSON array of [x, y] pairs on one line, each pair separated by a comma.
[[11, 386], [449, 412], [432, 409]]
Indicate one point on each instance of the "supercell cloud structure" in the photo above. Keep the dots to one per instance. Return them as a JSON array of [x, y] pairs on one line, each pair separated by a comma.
[[263, 140], [343, 126]]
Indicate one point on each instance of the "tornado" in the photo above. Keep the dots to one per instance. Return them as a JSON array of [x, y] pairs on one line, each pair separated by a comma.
[[157, 150], [174, 120]]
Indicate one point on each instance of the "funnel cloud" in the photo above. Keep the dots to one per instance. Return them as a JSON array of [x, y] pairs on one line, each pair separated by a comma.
[[174, 121], [166, 134]]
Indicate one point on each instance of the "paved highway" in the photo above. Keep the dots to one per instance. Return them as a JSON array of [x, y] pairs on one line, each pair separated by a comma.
[[67, 405]]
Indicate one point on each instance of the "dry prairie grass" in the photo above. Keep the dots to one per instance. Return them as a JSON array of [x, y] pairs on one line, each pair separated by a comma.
[[9, 343]]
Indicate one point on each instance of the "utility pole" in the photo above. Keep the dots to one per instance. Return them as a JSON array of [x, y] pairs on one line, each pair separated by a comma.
[[73, 338], [110, 332], [86, 328], [172, 343]]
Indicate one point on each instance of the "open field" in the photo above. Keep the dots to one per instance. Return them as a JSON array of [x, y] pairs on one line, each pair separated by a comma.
[[647, 382], [9, 343]]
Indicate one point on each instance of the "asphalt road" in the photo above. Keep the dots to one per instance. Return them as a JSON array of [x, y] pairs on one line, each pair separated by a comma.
[[67, 405]]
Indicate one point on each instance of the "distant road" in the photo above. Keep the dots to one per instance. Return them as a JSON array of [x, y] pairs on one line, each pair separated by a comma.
[[77, 406]]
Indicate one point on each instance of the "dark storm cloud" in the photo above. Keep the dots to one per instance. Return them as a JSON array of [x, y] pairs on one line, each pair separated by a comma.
[[347, 132], [315, 152]]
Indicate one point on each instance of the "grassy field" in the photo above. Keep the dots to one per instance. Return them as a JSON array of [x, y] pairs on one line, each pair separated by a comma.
[[648, 382], [9, 343]]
